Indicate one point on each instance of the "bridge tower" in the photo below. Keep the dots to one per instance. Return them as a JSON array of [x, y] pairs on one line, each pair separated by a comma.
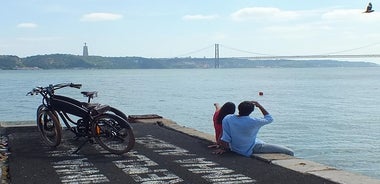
[[216, 55]]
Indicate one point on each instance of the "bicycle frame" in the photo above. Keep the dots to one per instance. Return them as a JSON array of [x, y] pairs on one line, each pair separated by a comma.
[[68, 105], [90, 118], [63, 105]]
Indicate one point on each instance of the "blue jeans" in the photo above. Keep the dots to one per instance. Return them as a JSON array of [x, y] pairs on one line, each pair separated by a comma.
[[271, 148]]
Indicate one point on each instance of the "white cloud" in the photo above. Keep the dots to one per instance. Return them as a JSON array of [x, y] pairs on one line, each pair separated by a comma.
[[27, 25], [34, 39], [263, 13], [349, 15], [341, 14], [199, 17], [94, 17]]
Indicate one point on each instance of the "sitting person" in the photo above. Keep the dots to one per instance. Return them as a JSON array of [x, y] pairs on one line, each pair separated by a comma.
[[219, 114], [240, 132]]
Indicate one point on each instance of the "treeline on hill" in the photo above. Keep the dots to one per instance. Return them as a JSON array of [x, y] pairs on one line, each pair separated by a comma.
[[66, 61]]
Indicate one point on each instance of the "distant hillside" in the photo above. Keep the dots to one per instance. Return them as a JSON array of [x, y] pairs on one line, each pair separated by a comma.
[[65, 61], [10, 62]]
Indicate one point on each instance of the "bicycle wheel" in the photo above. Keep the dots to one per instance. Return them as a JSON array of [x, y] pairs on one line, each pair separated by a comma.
[[113, 133], [118, 112], [39, 109], [49, 126]]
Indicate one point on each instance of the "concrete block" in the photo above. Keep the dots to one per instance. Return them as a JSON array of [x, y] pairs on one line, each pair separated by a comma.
[[345, 177], [269, 157], [17, 123], [303, 166]]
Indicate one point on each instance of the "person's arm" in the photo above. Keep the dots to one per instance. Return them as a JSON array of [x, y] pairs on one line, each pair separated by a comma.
[[214, 119], [225, 138], [224, 147], [267, 117], [262, 109], [217, 106]]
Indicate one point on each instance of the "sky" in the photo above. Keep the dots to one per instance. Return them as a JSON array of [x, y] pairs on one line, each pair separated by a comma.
[[175, 28]]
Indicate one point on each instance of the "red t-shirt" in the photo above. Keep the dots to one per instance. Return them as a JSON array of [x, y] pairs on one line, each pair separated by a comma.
[[218, 127]]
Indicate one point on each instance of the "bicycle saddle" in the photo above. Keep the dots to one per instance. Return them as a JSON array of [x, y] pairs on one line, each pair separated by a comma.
[[91, 94]]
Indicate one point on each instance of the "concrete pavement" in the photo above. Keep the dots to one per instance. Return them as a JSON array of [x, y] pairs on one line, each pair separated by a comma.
[[165, 152]]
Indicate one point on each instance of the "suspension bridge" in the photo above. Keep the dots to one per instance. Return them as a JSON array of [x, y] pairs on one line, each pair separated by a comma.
[[261, 56]]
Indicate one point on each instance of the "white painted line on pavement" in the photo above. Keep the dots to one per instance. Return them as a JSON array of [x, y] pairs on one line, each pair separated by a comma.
[[208, 170], [76, 170]]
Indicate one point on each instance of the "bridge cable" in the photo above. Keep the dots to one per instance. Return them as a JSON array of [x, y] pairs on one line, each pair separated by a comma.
[[362, 47], [246, 51], [195, 51]]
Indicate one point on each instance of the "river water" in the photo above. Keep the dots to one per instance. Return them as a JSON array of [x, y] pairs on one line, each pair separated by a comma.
[[327, 115]]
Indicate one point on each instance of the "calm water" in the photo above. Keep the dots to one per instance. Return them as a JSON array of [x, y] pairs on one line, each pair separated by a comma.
[[328, 115]]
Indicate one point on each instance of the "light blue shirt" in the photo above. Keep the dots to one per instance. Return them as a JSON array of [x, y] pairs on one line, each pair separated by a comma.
[[241, 132]]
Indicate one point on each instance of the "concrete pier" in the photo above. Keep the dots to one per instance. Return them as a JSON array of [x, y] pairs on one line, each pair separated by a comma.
[[165, 152]]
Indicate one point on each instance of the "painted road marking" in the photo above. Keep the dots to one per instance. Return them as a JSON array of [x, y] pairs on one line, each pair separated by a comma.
[[211, 172], [208, 170], [162, 147], [76, 170], [141, 168]]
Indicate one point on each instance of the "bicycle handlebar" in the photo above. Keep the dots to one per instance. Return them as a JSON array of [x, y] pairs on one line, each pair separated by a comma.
[[51, 88], [62, 85], [78, 86]]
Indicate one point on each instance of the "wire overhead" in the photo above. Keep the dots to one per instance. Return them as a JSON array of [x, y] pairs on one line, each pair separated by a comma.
[[263, 55], [195, 51], [249, 52], [358, 48]]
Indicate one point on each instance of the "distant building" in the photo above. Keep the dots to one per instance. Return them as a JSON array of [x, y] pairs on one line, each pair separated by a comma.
[[85, 50]]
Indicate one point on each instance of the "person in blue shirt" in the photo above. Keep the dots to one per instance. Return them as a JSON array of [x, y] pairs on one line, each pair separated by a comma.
[[240, 132]]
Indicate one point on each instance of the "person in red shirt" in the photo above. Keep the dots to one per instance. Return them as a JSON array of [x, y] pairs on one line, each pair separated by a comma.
[[219, 114]]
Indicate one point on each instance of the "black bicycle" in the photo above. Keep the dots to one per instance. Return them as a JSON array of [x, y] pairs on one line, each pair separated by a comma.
[[107, 125]]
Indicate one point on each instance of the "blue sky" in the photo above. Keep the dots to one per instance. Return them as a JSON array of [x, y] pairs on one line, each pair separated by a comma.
[[174, 28]]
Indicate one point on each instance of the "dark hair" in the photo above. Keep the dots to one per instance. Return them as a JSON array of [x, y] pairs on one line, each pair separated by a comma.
[[246, 108], [227, 108]]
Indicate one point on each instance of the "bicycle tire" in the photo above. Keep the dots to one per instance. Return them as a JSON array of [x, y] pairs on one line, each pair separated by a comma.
[[113, 133], [118, 112], [39, 109], [49, 126]]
